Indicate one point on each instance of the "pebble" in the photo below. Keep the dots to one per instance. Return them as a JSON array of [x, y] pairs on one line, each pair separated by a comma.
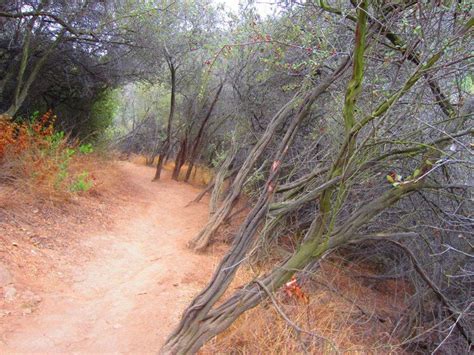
[[4, 313], [5, 276], [9, 293], [31, 298]]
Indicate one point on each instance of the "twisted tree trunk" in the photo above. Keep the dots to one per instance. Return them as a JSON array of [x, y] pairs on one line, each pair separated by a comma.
[[180, 158], [198, 323], [220, 177], [201, 241]]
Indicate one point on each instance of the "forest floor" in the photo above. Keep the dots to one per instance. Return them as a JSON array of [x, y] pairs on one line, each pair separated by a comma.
[[115, 278]]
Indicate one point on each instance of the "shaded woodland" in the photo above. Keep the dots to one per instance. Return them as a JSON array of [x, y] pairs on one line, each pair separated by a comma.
[[345, 126]]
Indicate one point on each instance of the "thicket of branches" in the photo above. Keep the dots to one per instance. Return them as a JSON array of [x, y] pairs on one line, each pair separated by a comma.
[[66, 56], [346, 124], [353, 121]]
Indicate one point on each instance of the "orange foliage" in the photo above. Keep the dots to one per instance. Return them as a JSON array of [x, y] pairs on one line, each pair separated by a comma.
[[36, 158], [16, 138], [293, 289]]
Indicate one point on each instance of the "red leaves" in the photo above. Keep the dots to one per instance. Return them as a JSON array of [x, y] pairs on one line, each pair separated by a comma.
[[293, 290], [270, 184], [18, 137], [270, 188], [275, 165]]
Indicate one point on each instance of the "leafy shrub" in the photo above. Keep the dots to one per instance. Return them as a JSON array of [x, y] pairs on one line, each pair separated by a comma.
[[103, 111], [33, 154], [86, 148], [16, 138], [82, 183]]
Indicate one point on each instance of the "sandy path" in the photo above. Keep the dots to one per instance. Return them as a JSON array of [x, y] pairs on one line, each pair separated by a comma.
[[128, 298]]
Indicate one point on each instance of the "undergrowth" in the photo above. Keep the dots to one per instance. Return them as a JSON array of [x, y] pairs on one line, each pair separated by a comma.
[[335, 312], [36, 157]]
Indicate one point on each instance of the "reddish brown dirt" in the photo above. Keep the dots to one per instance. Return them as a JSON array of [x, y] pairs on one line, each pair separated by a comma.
[[129, 290]]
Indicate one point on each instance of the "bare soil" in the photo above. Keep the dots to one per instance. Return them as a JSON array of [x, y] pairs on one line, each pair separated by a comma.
[[113, 275]]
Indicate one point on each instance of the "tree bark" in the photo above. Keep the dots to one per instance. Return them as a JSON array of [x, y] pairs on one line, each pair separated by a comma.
[[194, 330], [21, 90], [166, 145], [180, 158], [198, 139], [210, 186], [200, 323], [201, 241], [220, 177]]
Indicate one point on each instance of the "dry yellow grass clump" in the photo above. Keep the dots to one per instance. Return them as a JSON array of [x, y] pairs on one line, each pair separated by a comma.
[[36, 159], [343, 315]]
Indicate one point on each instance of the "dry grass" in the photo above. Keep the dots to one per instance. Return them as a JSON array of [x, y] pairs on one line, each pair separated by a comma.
[[36, 160], [344, 314], [39, 214], [45, 182]]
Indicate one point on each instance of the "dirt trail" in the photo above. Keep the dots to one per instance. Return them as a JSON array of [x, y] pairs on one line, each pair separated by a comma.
[[131, 294]]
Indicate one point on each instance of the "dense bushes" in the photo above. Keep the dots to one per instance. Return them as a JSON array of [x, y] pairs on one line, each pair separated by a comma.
[[33, 155], [67, 61]]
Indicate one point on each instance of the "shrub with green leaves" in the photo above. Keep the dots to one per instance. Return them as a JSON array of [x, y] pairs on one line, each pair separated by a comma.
[[86, 148], [82, 183]]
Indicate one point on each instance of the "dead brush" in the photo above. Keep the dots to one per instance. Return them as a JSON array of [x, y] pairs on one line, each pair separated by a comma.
[[341, 315], [37, 160]]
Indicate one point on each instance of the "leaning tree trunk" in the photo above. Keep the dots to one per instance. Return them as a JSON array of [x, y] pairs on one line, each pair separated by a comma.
[[201, 241], [210, 186], [200, 323], [220, 177], [167, 144], [197, 141], [180, 158], [194, 330]]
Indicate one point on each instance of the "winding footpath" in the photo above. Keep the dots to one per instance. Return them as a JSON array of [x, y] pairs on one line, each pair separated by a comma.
[[131, 294]]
